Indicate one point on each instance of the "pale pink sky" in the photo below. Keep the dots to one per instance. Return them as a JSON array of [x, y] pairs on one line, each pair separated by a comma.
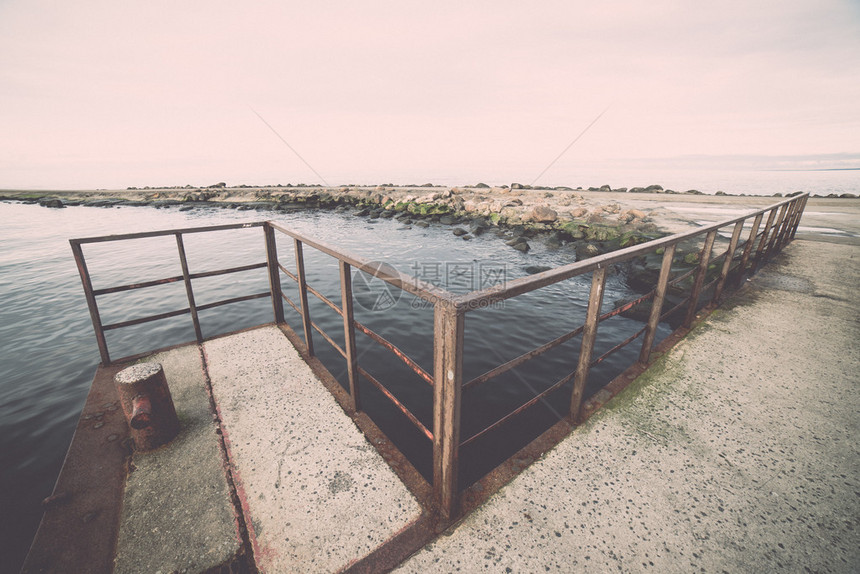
[[116, 93]]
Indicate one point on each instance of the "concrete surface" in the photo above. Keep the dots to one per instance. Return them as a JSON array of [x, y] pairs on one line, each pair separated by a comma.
[[177, 514], [736, 452], [316, 494]]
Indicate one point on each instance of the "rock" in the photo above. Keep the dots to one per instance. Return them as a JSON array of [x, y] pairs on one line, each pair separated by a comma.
[[637, 190], [602, 232], [219, 184], [543, 214], [605, 188], [446, 220], [620, 190], [422, 224], [55, 203], [638, 214], [721, 193], [642, 279], [482, 185], [523, 246], [188, 208], [573, 230], [843, 196], [466, 237], [386, 214], [479, 228], [459, 231], [593, 188], [586, 250], [514, 203], [694, 192], [534, 269], [362, 212], [654, 188], [578, 212]]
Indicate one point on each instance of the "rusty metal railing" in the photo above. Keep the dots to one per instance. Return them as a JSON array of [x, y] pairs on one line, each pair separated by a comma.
[[186, 277], [450, 311]]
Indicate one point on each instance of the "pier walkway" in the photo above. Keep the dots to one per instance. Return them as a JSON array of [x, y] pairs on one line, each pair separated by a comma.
[[736, 452]]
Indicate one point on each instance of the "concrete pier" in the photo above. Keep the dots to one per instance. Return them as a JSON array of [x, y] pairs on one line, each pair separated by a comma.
[[738, 451], [315, 495]]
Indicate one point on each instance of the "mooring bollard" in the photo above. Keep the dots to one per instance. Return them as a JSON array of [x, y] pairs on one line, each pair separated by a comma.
[[147, 405]]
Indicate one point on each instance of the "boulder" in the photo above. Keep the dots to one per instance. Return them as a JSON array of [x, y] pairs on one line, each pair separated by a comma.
[[654, 188], [534, 269], [543, 214], [459, 231], [55, 203], [586, 250]]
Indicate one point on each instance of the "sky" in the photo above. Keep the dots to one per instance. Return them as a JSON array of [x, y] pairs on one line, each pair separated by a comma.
[[110, 94]]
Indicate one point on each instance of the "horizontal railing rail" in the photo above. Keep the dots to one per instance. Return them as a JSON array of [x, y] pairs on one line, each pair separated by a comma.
[[192, 309], [769, 229]]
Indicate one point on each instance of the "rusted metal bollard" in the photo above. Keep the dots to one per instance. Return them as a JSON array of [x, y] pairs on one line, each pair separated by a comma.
[[147, 404]]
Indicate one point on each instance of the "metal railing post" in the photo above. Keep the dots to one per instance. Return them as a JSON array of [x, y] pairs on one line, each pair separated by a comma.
[[349, 333], [778, 229], [657, 304], [745, 257], [727, 264], [303, 297], [274, 272], [799, 215], [91, 301], [589, 333], [189, 292], [704, 259], [758, 252], [448, 324], [785, 236]]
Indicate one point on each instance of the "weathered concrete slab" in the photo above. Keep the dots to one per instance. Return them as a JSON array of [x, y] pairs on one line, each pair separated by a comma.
[[316, 495], [739, 451], [177, 513]]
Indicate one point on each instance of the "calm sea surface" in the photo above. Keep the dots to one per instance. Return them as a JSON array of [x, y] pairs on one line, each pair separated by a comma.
[[49, 355]]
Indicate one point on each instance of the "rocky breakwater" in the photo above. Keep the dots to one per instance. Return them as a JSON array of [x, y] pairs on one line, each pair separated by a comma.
[[519, 214], [561, 216]]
